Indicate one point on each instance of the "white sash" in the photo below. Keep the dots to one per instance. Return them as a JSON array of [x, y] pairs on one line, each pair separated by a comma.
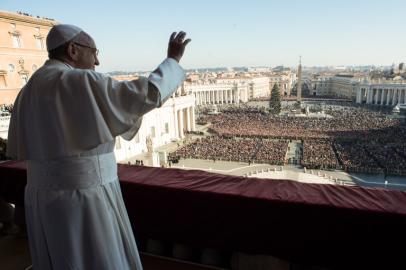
[[72, 172]]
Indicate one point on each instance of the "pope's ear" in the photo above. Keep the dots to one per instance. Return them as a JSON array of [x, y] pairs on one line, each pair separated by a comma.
[[73, 52]]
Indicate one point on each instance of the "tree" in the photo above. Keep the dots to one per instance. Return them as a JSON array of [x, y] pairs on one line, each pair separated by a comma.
[[275, 101]]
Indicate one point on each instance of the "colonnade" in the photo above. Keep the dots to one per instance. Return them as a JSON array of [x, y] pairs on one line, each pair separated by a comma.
[[381, 96], [184, 121], [218, 96]]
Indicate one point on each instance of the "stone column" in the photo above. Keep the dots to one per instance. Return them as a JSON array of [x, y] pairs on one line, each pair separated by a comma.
[[176, 123], [382, 97], [187, 112], [375, 96], [193, 118], [201, 97], [358, 98], [210, 92], [404, 100], [368, 95], [394, 97], [388, 96], [180, 119]]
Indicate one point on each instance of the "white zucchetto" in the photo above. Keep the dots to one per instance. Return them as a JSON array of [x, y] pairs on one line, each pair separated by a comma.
[[60, 34]]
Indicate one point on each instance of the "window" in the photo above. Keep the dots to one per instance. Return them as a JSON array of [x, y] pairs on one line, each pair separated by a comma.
[[11, 68], [39, 41], [16, 40], [24, 79]]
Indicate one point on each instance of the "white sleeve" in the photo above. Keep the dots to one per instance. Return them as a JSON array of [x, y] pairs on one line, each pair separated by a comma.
[[167, 78]]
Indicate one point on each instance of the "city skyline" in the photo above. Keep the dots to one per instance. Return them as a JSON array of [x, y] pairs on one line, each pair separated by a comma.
[[133, 37]]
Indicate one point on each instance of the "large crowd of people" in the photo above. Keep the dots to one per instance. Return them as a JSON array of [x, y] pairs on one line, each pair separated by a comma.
[[232, 149], [355, 156], [353, 138], [319, 154], [349, 123]]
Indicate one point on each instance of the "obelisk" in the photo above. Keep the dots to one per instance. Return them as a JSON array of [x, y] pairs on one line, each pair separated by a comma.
[[299, 80]]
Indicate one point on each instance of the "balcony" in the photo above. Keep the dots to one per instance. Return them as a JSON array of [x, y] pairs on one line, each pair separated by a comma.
[[242, 219]]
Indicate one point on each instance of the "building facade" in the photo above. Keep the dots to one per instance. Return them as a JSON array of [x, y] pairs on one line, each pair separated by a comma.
[[217, 93], [258, 86], [284, 81], [342, 86], [22, 51], [162, 125], [382, 92]]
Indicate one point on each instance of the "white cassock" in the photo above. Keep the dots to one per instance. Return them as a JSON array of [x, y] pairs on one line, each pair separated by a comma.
[[64, 123]]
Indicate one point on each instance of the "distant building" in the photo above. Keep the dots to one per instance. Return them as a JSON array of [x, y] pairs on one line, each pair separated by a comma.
[[284, 81], [342, 86], [22, 51], [382, 92], [206, 93], [163, 125]]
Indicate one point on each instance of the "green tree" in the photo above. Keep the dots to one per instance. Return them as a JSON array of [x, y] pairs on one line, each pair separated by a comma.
[[275, 101]]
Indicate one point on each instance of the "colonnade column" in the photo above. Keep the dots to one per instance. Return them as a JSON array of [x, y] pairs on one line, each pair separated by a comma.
[[176, 123], [193, 118], [404, 99], [368, 96], [382, 97], [180, 120], [187, 112], [394, 97], [359, 95], [388, 97]]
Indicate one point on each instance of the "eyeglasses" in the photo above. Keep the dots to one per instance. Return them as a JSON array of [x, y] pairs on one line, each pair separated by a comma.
[[96, 51]]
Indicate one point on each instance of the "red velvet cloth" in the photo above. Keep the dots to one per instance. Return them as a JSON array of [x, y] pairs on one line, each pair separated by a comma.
[[327, 225]]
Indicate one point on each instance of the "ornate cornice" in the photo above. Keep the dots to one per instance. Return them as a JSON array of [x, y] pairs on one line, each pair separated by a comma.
[[23, 72], [39, 36], [15, 33], [27, 19]]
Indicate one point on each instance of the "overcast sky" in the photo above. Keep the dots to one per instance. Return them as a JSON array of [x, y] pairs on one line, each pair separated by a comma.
[[133, 35]]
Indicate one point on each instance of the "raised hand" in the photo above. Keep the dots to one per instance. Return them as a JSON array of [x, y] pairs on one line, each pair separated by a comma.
[[177, 44]]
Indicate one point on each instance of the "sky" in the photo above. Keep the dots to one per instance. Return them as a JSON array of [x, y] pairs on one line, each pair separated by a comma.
[[133, 35]]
